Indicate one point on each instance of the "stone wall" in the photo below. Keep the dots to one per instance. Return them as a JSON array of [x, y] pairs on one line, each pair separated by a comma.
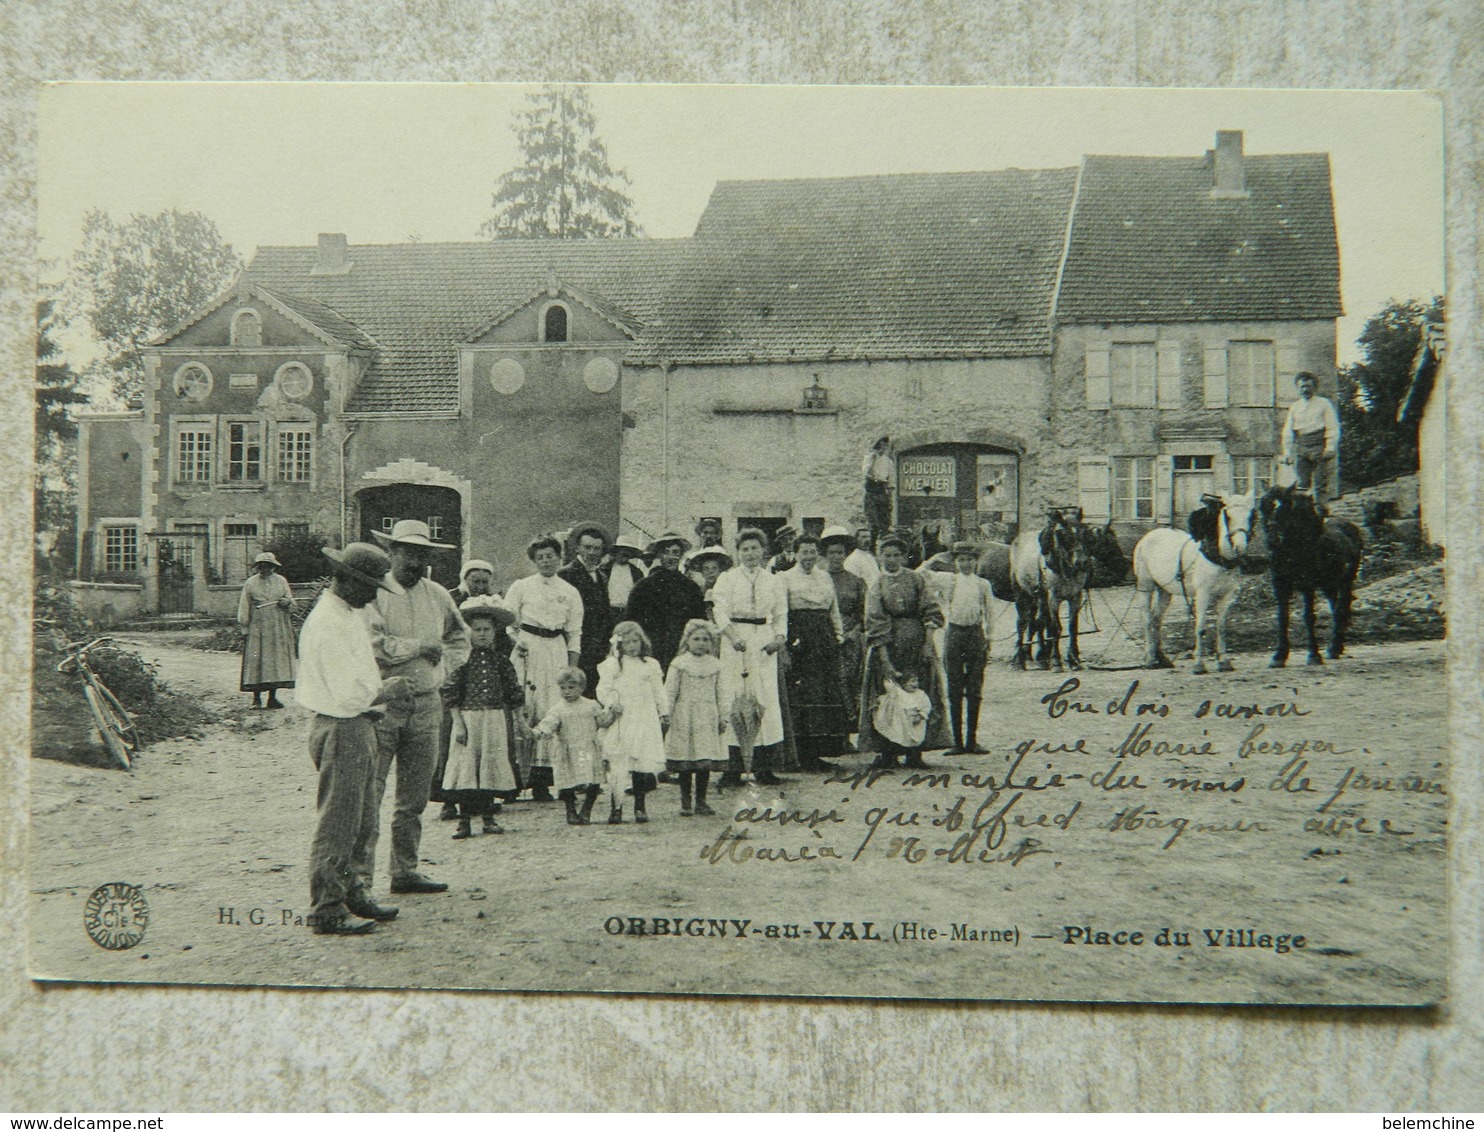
[[732, 440]]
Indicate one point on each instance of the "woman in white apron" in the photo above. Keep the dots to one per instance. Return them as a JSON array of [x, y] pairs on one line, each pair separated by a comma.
[[750, 606]]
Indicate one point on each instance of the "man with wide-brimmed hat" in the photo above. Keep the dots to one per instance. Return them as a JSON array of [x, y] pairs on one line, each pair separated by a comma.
[[417, 633], [966, 603], [339, 681], [666, 599], [588, 575]]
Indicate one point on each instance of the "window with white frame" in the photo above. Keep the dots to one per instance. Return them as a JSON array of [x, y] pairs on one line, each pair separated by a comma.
[[121, 550], [435, 526], [294, 379], [1133, 487], [244, 451], [295, 453], [1131, 371], [1251, 373], [1252, 475], [193, 452]]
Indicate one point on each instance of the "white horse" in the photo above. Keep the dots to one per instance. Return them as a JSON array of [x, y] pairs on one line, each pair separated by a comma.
[[1205, 570]]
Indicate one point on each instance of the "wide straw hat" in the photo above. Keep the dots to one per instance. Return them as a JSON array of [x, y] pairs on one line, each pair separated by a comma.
[[363, 562], [489, 608], [411, 532], [267, 556], [836, 533], [627, 542]]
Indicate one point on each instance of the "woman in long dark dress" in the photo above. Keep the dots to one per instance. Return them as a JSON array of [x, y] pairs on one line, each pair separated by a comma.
[[900, 611], [835, 545], [821, 724]]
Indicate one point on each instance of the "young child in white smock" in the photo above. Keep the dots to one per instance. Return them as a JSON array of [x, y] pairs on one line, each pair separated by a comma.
[[631, 688], [576, 760]]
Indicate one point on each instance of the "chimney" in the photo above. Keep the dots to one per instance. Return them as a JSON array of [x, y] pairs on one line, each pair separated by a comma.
[[333, 255], [1229, 181]]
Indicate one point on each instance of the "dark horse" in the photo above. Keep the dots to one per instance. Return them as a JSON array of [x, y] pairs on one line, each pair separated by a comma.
[[1308, 553], [1053, 566]]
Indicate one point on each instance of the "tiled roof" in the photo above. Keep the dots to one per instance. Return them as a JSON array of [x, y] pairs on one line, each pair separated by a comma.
[[419, 301], [332, 322], [939, 265], [1150, 243]]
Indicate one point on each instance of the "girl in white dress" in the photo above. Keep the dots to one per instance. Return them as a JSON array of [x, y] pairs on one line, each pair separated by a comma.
[[693, 746], [631, 688]]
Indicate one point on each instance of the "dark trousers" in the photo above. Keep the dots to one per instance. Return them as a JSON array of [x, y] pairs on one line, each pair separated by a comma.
[[964, 655], [344, 753], [877, 506]]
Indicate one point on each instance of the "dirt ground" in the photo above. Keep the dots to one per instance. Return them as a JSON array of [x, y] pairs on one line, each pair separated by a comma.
[[1000, 880]]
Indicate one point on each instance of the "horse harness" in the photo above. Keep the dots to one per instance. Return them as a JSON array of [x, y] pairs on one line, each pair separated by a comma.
[[1210, 547]]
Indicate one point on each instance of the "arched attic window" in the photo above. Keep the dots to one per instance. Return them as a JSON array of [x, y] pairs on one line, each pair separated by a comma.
[[554, 323], [247, 328]]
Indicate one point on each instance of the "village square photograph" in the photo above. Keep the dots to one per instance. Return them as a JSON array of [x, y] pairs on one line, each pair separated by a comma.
[[899, 542]]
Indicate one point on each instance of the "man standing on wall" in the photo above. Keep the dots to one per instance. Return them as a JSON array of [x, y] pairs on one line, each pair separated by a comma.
[[340, 683], [879, 472], [587, 574], [417, 633], [1311, 439]]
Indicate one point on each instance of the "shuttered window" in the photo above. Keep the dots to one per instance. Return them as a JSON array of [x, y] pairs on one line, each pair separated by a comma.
[[1251, 373], [1131, 368]]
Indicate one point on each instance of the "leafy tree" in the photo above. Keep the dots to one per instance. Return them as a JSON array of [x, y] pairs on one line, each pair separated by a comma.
[[299, 551], [1373, 446], [133, 281], [55, 487], [565, 187]]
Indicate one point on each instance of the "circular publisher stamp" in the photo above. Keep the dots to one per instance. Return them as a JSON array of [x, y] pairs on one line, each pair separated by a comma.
[[116, 915]]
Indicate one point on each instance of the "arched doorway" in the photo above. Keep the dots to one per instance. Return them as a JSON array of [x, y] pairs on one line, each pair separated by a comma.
[[439, 507], [965, 490]]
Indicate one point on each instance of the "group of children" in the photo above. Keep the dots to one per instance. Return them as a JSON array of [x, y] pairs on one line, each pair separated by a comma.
[[639, 725]]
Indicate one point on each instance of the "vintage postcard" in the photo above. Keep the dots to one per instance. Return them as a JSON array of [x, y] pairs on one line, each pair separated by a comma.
[[896, 542]]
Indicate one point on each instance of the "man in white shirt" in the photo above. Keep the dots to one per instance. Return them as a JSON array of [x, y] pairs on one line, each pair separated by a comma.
[[1311, 438], [879, 472], [416, 632], [966, 645], [339, 681], [860, 561]]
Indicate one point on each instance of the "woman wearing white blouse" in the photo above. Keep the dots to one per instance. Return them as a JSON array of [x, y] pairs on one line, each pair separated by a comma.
[[815, 629], [547, 634], [750, 606]]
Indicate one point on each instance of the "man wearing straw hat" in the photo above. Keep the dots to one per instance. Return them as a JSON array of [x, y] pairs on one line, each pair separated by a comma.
[[624, 573], [417, 633], [339, 682], [665, 600]]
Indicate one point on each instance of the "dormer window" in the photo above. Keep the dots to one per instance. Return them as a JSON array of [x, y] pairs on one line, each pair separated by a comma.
[[247, 328], [816, 396], [554, 323]]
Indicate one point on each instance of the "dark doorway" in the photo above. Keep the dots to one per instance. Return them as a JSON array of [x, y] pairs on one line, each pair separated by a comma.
[[439, 507]]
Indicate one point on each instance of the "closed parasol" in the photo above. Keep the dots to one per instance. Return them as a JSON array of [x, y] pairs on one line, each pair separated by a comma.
[[746, 718]]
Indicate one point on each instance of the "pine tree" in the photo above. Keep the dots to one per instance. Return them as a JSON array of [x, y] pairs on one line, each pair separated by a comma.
[[55, 486], [565, 189]]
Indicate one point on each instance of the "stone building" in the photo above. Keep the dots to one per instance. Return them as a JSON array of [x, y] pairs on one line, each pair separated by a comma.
[[1121, 335]]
